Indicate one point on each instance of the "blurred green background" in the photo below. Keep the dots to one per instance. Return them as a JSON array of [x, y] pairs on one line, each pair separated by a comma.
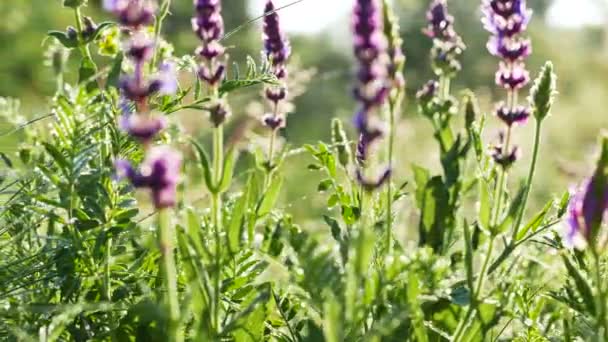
[[575, 42]]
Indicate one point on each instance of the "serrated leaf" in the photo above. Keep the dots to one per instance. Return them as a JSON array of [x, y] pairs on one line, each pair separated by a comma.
[[58, 158]]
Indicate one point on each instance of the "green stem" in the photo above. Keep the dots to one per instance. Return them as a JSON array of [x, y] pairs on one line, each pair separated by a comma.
[[528, 181], [84, 48], [601, 300], [271, 147], [476, 294], [165, 244], [389, 186], [158, 25], [216, 216], [107, 272]]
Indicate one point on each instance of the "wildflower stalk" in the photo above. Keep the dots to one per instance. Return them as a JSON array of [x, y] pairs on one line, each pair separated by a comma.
[[389, 185], [277, 50], [216, 217], [516, 226], [165, 244], [84, 48], [158, 26], [395, 99]]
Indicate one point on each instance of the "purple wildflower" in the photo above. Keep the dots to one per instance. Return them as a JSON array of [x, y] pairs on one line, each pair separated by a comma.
[[276, 45], [586, 212], [373, 83], [588, 208], [511, 50], [273, 121], [159, 172], [503, 156], [447, 44], [132, 13], [512, 76], [371, 185], [440, 22], [511, 116], [277, 49], [507, 20], [142, 127], [208, 25], [428, 91]]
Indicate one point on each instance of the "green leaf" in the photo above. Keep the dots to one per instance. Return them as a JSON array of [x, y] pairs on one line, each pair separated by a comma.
[[417, 316], [336, 230], [514, 209], [114, 75], [74, 3], [562, 208], [86, 74], [58, 158], [100, 28], [228, 170], [484, 211], [535, 222], [468, 255], [325, 185], [461, 296], [64, 39], [582, 285], [205, 165], [7, 161], [237, 219], [332, 324], [270, 197]]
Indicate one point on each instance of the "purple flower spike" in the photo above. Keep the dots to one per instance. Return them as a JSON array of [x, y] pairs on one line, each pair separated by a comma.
[[440, 22], [159, 173], [373, 82], [510, 116], [165, 82], [588, 208], [373, 184], [428, 91], [372, 88], [513, 76], [503, 157], [586, 212], [140, 48], [208, 22], [510, 49], [208, 25], [133, 13], [506, 18], [273, 122], [276, 45], [142, 127]]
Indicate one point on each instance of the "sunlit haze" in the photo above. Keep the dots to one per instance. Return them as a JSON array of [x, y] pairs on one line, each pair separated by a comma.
[[307, 16]]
